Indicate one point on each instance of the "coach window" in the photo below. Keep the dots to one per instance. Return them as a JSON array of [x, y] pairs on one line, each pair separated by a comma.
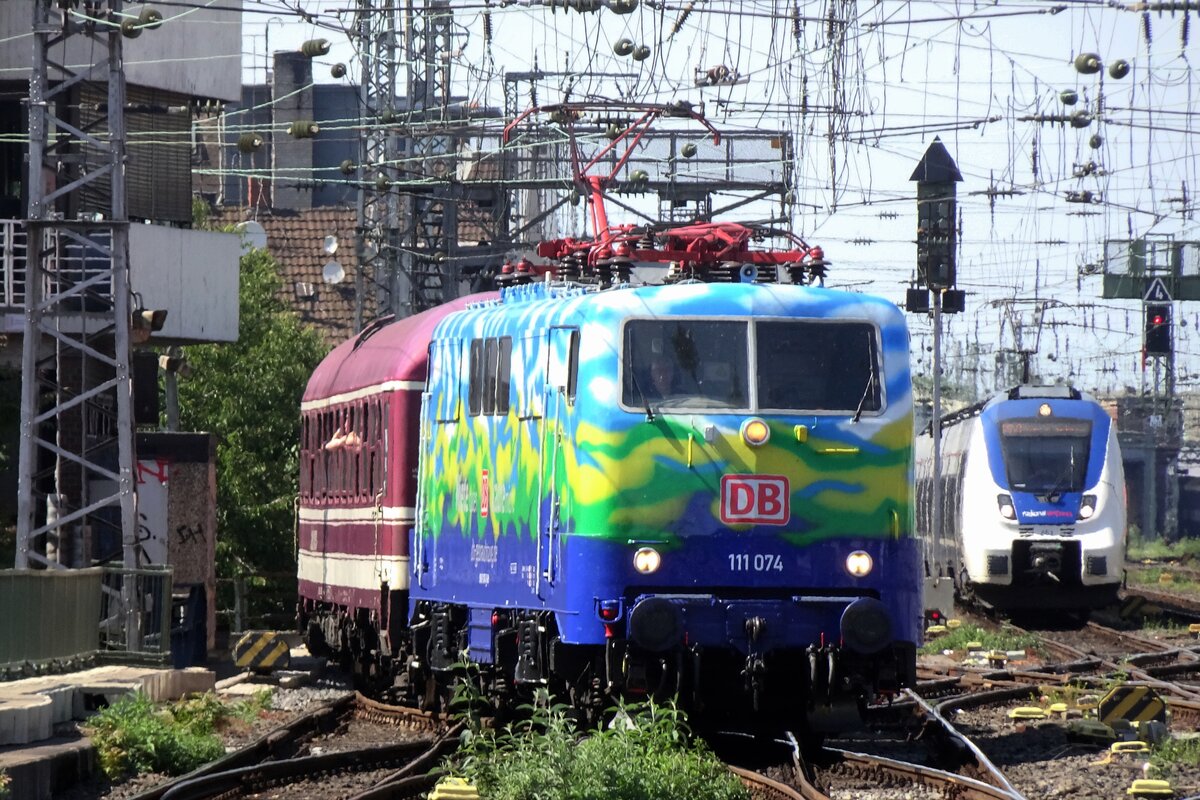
[[475, 385]]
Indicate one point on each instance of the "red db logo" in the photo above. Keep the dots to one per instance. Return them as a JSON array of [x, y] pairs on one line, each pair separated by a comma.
[[755, 499]]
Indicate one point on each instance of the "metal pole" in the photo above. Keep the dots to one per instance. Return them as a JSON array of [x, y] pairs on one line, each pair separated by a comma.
[[936, 430]]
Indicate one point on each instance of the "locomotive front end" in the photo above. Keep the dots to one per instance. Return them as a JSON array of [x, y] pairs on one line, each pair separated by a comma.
[[752, 483], [1054, 467]]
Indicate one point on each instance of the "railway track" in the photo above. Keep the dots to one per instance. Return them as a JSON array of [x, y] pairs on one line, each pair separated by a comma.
[[285, 754]]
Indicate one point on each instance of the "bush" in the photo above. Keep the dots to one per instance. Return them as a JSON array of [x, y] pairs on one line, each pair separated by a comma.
[[134, 736], [646, 754]]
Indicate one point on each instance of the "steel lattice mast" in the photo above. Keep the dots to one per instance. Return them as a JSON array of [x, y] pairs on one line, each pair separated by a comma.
[[76, 450], [433, 216], [380, 285]]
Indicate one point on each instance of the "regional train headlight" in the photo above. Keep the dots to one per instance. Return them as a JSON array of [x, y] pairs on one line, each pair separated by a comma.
[[859, 564], [646, 560], [1087, 506], [1005, 503]]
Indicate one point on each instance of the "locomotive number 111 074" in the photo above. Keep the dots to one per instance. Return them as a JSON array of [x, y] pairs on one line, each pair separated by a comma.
[[755, 562]]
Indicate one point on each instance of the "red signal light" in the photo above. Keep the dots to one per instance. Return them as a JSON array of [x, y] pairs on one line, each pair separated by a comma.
[[1158, 320]]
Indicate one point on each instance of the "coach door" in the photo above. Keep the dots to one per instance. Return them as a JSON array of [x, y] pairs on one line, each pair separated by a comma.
[[562, 353]]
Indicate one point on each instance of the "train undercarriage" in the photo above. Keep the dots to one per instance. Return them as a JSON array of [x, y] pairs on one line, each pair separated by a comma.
[[419, 664]]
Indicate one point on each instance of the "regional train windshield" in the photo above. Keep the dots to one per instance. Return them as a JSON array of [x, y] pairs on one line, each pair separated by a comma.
[[1045, 455], [799, 365]]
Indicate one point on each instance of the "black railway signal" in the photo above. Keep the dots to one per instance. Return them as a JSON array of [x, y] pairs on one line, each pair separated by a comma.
[[937, 210], [1157, 339]]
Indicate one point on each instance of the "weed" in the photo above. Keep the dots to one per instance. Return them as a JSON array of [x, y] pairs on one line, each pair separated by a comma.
[[134, 736], [5, 785], [1140, 548], [958, 639], [1173, 753], [646, 753], [1152, 576]]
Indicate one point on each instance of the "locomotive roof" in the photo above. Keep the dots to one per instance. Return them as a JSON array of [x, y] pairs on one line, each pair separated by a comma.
[[383, 351]]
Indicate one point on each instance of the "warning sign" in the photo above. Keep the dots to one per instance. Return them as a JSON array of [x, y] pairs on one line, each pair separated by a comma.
[[1133, 703]]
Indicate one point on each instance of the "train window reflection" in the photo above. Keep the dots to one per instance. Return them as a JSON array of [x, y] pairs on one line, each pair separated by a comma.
[[1046, 456], [685, 363], [818, 366]]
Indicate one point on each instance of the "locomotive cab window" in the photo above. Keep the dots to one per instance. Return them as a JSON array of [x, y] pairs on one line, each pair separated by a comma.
[[692, 363], [799, 365], [1046, 455], [818, 366]]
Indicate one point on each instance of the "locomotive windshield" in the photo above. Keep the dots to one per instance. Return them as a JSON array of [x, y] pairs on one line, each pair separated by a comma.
[[805, 365], [687, 362], [1045, 455], [819, 366]]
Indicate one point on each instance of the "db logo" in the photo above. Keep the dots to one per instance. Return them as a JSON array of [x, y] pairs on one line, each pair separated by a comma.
[[756, 499]]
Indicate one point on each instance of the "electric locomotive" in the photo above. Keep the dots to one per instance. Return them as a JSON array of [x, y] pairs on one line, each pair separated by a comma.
[[1033, 501], [700, 489]]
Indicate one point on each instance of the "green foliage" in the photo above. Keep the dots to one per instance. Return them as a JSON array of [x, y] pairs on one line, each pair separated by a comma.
[[958, 638], [1175, 753], [5, 785], [1152, 576], [133, 736], [248, 393], [646, 754], [207, 713], [1140, 547]]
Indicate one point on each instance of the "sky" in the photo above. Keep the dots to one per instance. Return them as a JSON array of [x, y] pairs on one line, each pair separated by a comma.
[[863, 88]]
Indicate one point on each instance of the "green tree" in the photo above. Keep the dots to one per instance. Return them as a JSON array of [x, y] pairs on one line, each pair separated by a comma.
[[248, 393]]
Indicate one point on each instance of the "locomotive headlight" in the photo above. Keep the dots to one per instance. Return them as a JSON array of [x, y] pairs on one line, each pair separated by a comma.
[[1005, 503], [859, 564], [646, 560], [1087, 506], [755, 432]]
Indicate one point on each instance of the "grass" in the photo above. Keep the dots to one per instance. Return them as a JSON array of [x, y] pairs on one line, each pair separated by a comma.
[[135, 736], [1140, 548], [646, 753], [1173, 753], [1152, 576], [958, 639]]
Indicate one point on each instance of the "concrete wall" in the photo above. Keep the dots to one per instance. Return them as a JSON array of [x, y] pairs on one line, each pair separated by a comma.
[[197, 51]]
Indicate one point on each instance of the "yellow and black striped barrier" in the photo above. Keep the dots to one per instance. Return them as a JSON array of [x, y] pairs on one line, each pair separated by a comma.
[[1132, 703], [262, 651]]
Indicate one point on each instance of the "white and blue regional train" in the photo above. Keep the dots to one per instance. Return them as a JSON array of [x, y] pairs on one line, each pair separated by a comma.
[[1033, 499]]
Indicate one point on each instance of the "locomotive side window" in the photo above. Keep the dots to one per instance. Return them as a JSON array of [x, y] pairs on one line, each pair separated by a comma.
[[491, 351], [503, 374], [475, 387], [685, 363], [491, 376], [573, 368], [1046, 455], [818, 366]]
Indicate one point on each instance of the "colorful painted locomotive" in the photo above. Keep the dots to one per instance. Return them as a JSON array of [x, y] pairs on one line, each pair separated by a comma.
[[701, 489], [697, 488], [1033, 501]]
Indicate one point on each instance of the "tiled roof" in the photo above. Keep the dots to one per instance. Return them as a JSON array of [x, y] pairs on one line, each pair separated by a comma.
[[297, 241]]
